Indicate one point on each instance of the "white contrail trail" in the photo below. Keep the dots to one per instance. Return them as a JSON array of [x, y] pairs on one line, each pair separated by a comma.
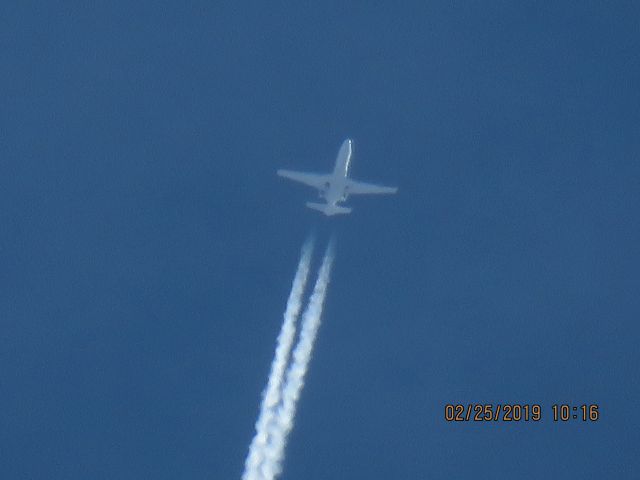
[[271, 394], [279, 430]]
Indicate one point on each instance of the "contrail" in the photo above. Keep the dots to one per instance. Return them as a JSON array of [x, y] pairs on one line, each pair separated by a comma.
[[271, 394], [280, 428]]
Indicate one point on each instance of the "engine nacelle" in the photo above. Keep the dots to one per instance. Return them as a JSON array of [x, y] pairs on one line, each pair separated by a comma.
[[322, 193], [345, 194]]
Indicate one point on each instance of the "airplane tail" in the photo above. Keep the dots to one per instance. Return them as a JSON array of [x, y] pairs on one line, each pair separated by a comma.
[[328, 210]]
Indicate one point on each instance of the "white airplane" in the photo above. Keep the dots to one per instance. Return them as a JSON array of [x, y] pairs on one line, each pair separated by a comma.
[[336, 187]]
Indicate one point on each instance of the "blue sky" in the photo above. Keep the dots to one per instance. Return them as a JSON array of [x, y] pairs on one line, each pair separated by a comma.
[[148, 246]]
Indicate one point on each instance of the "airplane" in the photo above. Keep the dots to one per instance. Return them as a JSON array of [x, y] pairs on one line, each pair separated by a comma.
[[335, 187]]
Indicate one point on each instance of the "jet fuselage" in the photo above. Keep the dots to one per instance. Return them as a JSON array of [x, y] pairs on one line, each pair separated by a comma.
[[336, 190]]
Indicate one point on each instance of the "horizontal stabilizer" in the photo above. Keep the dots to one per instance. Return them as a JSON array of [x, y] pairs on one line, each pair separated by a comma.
[[328, 210]]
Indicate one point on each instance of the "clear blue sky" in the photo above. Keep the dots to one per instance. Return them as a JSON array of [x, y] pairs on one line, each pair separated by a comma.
[[147, 246]]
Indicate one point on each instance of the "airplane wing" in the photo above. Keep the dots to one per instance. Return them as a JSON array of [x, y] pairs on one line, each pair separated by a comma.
[[357, 188], [316, 180]]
